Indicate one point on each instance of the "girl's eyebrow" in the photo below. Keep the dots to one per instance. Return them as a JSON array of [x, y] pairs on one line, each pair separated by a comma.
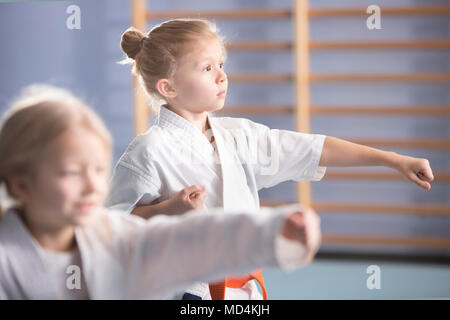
[[202, 60], [211, 58]]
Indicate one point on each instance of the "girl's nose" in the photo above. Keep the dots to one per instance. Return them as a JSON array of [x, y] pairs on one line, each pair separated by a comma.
[[89, 183], [221, 76]]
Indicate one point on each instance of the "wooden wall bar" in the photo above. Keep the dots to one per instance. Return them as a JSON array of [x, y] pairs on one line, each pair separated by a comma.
[[256, 109], [141, 110], [302, 84], [435, 44], [286, 13]]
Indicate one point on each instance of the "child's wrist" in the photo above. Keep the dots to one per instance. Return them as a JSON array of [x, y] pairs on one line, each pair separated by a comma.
[[174, 206], [393, 160], [170, 206]]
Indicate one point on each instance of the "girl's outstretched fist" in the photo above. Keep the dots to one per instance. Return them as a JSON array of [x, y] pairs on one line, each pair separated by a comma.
[[304, 227], [416, 170], [189, 198]]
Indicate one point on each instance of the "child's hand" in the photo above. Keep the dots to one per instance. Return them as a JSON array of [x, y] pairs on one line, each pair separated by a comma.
[[190, 198], [415, 169], [304, 227]]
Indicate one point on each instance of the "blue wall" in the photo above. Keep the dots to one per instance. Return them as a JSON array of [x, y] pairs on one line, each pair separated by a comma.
[[36, 46]]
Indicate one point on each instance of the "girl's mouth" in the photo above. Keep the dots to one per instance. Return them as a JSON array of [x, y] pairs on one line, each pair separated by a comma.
[[85, 207]]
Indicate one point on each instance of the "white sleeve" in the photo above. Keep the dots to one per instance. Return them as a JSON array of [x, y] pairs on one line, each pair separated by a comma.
[[3, 261], [290, 254], [170, 253], [130, 186], [284, 155], [2, 293]]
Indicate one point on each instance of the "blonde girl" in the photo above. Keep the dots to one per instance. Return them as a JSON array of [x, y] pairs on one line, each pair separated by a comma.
[[190, 154], [57, 241]]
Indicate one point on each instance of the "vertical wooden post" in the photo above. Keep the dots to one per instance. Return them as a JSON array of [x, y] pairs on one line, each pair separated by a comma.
[[141, 110], [302, 100]]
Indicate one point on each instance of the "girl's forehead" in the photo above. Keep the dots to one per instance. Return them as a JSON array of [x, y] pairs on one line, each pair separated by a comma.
[[77, 143], [204, 48]]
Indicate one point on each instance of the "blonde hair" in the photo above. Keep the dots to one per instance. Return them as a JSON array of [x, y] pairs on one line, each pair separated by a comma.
[[35, 119], [154, 56]]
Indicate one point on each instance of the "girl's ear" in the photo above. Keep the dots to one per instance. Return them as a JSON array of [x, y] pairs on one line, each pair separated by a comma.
[[19, 185], [165, 88]]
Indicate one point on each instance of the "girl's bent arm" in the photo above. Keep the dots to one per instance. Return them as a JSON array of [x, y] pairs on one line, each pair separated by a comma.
[[189, 198], [148, 211]]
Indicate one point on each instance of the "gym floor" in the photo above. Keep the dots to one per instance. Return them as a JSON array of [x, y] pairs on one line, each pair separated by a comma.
[[336, 279]]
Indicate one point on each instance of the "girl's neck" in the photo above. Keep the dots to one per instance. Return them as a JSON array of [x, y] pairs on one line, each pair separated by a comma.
[[199, 120], [51, 237]]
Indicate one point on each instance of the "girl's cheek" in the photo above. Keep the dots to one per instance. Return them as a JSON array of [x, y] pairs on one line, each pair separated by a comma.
[[101, 180], [102, 187], [68, 187]]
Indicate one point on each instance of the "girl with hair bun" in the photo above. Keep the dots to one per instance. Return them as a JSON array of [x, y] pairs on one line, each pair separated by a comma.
[[217, 161]]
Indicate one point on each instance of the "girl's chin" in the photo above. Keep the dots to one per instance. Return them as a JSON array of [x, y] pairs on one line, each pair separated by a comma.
[[216, 108], [84, 217]]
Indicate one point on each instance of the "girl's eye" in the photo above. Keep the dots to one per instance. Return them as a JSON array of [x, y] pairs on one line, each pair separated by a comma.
[[70, 172], [208, 68], [221, 66]]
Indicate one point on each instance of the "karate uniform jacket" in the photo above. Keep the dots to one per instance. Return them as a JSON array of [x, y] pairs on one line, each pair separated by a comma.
[[173, 154]]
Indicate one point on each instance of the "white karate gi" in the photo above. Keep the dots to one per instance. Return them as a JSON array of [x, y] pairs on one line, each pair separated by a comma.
[[173, 154], [127, 257]]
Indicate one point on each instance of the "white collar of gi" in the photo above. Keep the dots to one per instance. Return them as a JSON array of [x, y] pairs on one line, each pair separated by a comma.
[[168, 118]]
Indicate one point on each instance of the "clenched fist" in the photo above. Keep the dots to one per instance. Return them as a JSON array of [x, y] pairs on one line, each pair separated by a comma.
[[189, 198]]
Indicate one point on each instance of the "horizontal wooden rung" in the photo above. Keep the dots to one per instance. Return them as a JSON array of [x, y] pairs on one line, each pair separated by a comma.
[[221, 14], [403, 11], [378, 45], [339, 110], [265, 13], [406, 143], [258, 45], [256, 109], [440, 176], [377, 240], [384, 110], [373, 77], [434, 44], [403, 209], [260, 77], [340, 77], [372, 208]]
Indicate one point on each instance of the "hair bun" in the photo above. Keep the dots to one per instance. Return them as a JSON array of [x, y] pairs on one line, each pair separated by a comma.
[[131, 42]]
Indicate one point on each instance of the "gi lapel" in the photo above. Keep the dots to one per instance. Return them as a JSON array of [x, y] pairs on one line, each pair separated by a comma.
[[236, 195], [28, 270], [199, 149]]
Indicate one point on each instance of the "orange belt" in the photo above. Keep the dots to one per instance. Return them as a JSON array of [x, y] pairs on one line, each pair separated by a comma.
[[217, 290]]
